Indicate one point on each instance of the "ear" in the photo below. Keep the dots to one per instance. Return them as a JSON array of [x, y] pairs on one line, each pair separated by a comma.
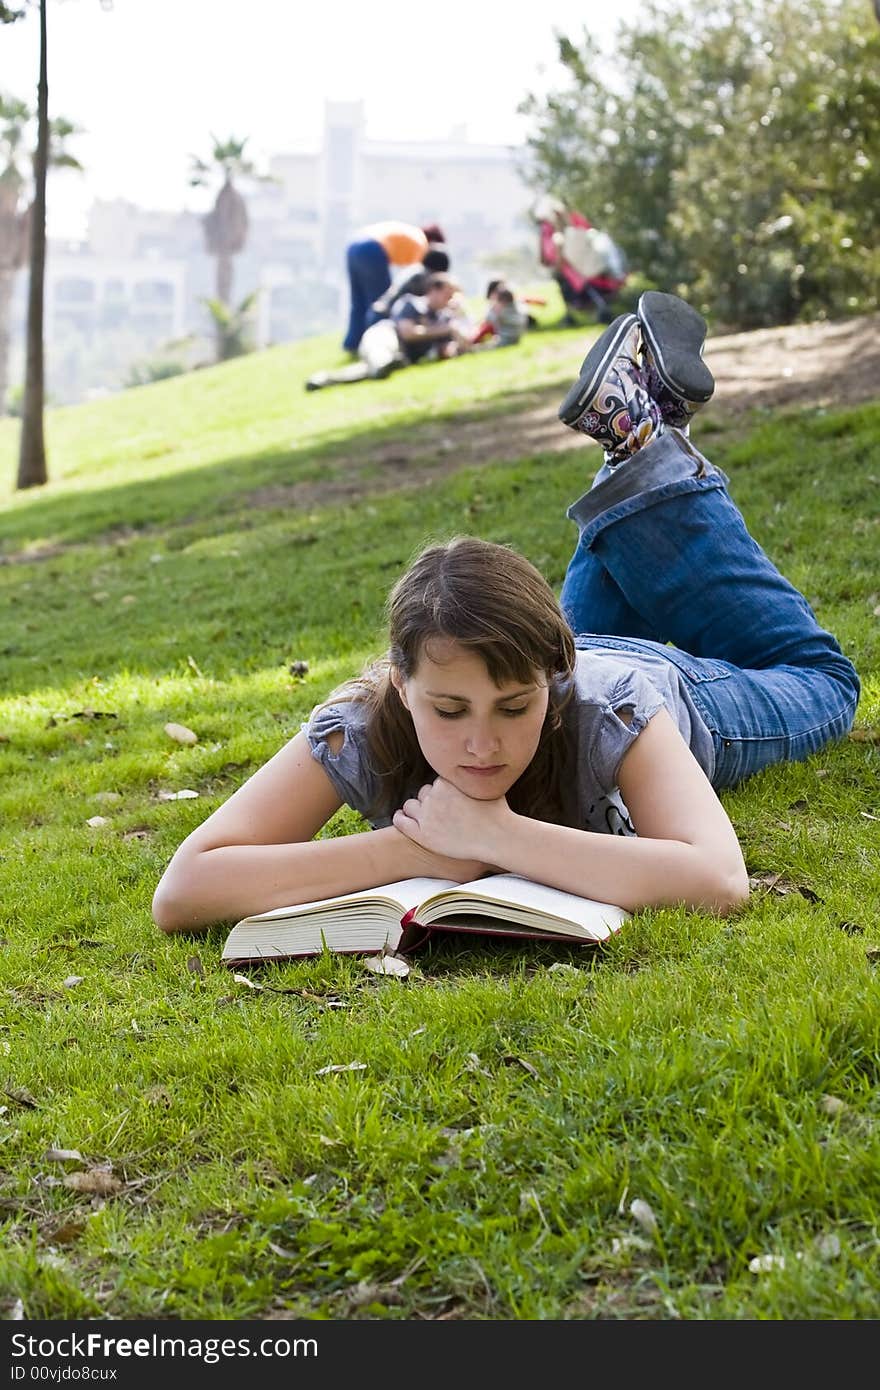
[[399, 684]]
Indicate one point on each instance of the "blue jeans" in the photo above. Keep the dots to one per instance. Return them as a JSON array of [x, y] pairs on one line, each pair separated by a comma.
[[368, 277], [664, 557]]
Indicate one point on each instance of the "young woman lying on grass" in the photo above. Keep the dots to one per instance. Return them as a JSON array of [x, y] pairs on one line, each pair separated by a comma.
[[492, 738]]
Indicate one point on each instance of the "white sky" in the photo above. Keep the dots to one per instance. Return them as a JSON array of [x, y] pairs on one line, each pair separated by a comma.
[[148, 80]]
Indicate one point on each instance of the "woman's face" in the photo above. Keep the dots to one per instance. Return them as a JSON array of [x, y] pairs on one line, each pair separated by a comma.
[[479, 736]]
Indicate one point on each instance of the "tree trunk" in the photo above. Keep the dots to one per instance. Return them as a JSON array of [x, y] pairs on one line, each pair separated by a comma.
[[7, 280], [224, 278], [32, 453]]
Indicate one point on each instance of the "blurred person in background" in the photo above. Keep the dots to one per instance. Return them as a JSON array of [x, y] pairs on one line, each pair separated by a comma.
[[587, 265], [420, 327], [381, 256]]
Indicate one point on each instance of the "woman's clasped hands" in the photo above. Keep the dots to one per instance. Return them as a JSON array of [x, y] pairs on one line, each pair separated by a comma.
[[446, 821]]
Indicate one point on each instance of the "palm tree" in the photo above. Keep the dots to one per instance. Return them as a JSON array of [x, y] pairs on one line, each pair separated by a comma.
[[15, 211], [226, 225]]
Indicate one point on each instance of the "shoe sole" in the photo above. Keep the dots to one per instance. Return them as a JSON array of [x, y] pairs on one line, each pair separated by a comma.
[[594, 367], [675, 334]]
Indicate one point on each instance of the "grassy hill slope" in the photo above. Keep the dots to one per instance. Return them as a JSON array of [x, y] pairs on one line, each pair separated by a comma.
[[198, 537]]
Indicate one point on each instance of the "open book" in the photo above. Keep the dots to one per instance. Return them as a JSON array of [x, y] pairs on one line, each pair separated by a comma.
[[401, 916]]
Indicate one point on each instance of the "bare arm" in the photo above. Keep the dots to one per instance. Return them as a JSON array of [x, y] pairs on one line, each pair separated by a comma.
[[685, 850], [255, 852]]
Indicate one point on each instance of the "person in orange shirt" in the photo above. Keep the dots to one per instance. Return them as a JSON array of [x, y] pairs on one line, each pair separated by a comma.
[[380, 253]]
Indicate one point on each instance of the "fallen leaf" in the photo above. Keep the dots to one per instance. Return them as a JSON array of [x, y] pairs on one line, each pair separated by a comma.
[[388, 964], [251, 984], [776, 883], [180, 733], [67, 1233], [97, 1181], [513, 1060], [562, 967], [473, 1063], [22, 1097], [865, 735], [16, 1312], [832, 1105], [281, 1252], [622, 1245], [764, 1264], [63, 1156], [873, 953], [341, 1066], [73, 980], [185, 794], [107, 797], [195, 967], [851, 928], [828, 1246], [96, 821], [137, 835], [158, 1095], [644, 1215], [366, 1293]]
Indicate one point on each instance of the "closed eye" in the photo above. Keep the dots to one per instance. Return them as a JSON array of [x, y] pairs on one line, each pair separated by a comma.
[[511, 713]]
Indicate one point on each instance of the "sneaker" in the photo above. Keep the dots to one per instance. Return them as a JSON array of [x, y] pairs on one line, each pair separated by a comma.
[[673, 335], [319, 379], [610, 400]]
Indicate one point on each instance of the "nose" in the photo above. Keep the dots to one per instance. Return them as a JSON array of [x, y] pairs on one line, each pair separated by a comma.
[[482, 742]]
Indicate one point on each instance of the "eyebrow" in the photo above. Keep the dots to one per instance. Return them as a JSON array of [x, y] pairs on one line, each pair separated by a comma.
[[463, 699]]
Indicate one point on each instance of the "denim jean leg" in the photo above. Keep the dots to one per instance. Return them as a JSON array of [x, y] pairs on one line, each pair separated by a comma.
[[368, 278], [769, 681]]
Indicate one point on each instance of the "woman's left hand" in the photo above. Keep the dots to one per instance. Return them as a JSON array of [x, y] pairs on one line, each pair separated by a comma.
[[445, 820]]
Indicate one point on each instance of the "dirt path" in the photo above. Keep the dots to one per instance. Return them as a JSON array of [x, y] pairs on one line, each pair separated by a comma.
[[830, 364]]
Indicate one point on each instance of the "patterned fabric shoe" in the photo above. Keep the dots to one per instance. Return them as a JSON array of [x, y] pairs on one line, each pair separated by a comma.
[[610, 400], [673, 335]]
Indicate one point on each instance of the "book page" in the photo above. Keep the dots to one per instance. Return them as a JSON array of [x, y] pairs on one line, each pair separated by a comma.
[[530, 904], [399, 896]]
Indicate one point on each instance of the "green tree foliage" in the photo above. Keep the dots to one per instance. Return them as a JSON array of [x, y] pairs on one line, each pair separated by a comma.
[[732, 148]]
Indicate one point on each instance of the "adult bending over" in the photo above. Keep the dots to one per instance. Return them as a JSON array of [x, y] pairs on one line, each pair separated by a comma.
[[491, 737], [419, 327]]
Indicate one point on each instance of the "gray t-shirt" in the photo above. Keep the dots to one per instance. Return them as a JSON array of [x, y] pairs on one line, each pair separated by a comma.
[[636, 683]]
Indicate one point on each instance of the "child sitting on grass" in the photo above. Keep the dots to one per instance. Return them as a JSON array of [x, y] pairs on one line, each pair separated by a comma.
[[582, 745], [506, 320]]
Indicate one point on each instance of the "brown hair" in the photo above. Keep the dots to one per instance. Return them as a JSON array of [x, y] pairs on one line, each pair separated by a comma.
[[491, 599]]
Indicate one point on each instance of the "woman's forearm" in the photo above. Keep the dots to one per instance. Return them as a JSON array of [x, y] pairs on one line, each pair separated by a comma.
[[631, 871], [200, 888]]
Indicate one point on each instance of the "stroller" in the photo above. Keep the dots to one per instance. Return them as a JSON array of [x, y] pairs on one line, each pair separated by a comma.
[[587, 265]]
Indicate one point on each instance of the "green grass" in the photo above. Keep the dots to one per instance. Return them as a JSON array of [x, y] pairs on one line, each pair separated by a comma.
[[188, 559]]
